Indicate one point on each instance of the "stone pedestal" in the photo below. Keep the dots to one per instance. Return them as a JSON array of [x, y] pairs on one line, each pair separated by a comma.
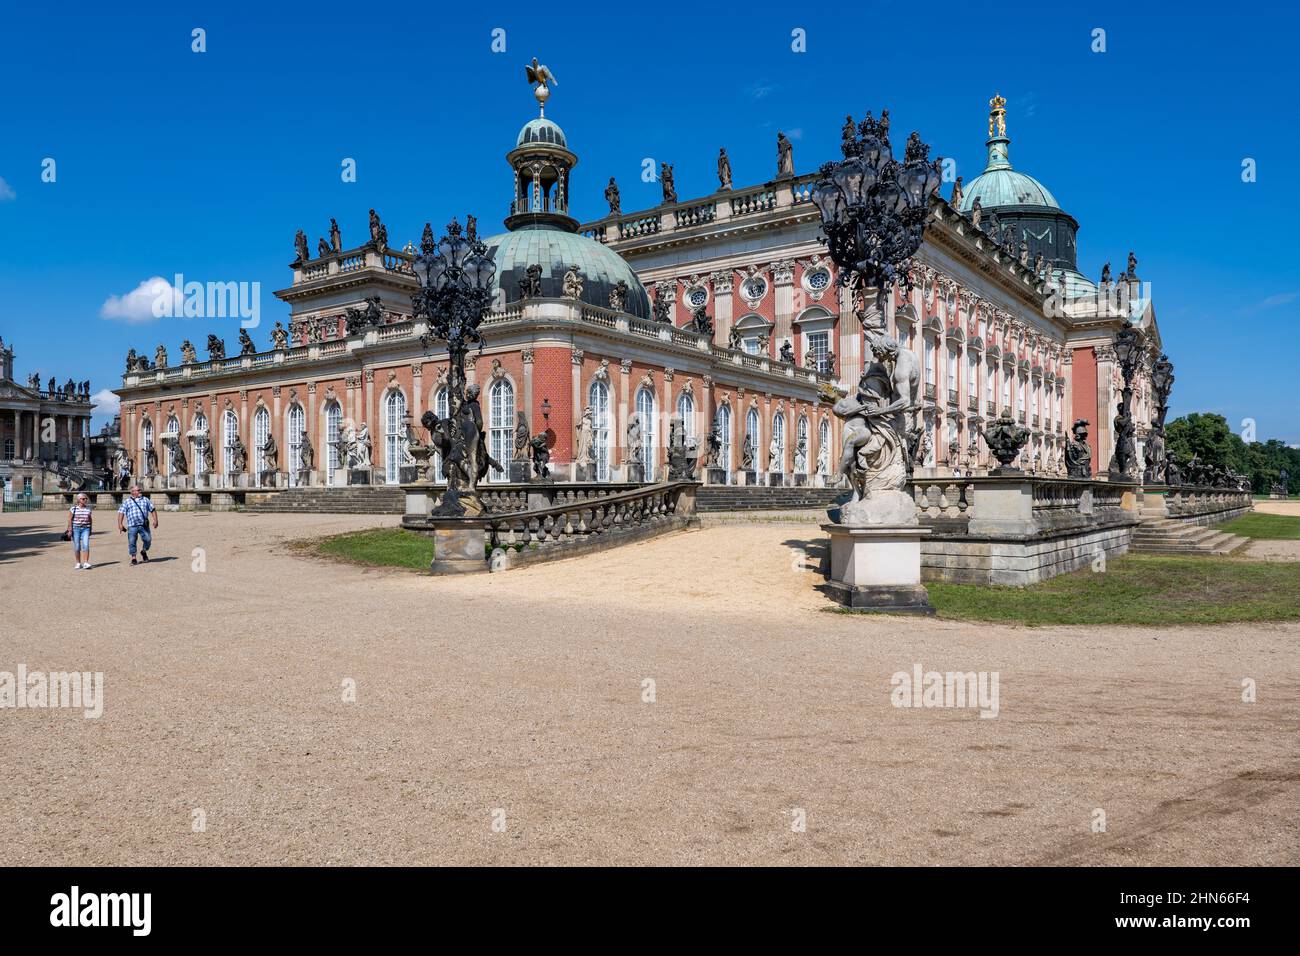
[[717, 476], [520, 471], [775, 479], [359, 476], [800, 481], [635, 473], [878, 569], [407, 474], [750, 478], [584, 472], [420, 498], [307, 477], [458, 546]]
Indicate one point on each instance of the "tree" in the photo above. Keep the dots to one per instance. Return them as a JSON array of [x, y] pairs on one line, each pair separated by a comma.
[[1208, 435]]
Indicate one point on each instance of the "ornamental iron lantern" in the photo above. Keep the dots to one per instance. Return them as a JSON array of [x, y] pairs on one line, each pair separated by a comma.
[[1130, 350], [874, 208], [456, 274]]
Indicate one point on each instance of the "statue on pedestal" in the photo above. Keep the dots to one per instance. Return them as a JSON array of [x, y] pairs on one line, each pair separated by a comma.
[[160, 357], [747, 453], [586, 453], [1005, 439], [306, 453], [522, 437], [336, 239], [150, 460], [216, 348], [300, 247], [784, 157], [724, 169], [246, 346], [279, 336], [612, 197], [786, 351], [541, 456], [362, 451], [238, 455], [666, 181], [618, 296], [270, 454], [188, 353], [632, 449], [378, 233]]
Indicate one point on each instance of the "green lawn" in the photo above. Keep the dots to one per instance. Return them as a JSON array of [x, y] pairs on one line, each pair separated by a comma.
[[1273, 527], [1137, 589], [386, 547]]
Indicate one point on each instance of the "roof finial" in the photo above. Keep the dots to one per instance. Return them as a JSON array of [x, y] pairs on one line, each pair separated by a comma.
[[541, 75], [997, 114]]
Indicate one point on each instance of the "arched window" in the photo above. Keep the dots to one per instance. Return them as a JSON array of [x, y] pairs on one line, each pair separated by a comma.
[[333, 425], [261, 432], [229, 432], [598, 399], [686, 412], [394, 436], [645, 410], [752, 436], [801, 438], [295, 423], [441, 408], [778, 440], [146, 441], [501, 422], [824, 441], [200, 426], [723, 422], [165, 453]]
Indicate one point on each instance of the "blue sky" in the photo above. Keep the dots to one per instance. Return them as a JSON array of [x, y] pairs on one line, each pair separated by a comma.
[[206, 163]]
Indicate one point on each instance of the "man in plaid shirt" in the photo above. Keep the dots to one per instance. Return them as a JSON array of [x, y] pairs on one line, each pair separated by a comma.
[[133, 519]]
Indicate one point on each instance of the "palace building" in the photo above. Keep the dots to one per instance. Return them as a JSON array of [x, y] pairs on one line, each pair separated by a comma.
[[723, 310], [44, 431]]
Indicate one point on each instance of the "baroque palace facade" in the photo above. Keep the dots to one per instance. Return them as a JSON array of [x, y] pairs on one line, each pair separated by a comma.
[[722, 310]]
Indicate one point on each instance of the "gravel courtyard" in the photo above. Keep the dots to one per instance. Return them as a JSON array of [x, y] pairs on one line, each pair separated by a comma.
[[518, 699]]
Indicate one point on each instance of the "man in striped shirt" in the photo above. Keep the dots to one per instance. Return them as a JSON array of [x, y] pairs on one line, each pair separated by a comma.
[[133, 519]]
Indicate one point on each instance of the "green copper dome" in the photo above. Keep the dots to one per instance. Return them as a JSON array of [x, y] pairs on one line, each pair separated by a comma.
[[555, 251], [1000, 185], [541, 130]]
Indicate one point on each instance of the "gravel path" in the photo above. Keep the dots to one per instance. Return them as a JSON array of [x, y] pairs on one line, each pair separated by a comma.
[[523, 692]]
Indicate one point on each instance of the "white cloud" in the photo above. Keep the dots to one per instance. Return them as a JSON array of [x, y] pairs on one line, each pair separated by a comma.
[[6, 191], [138, 305], [106, 402]]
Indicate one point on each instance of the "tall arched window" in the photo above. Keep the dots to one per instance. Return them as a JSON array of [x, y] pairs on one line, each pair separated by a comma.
[[441, 408], [394, 436], [145, 441], [165, 453], [802, 439], [723, 422], [778, 439], [501, 422], [229, 432], [686, 412], [824, 441], [200, 426], [598, 399], [294, 424], [645, 410], [333, 425], [752, 436], [261, 432]]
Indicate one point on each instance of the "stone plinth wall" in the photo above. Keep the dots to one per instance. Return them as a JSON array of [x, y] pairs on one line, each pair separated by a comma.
[[1202, 506], [960, 559], [1018, 530]]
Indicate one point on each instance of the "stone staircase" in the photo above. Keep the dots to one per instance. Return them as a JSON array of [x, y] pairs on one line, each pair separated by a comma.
[[357, 499], [1161, 535], [713, 498]]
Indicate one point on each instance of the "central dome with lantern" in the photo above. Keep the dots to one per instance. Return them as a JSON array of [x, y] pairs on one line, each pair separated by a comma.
[[540, 230]]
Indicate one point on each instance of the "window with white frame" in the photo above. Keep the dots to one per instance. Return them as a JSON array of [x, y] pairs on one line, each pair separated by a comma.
[[750, 344], [261, 431], [801, 438], [295, 422], [819, 343], [441, 408], [752, 435], [199, 427], [598, 399], [990, 382], [645, 410], [686, 412], [148, 440], [952, 370], [778, 441], [333, 426], [395, 436], [501, 434], [973, 375], [723, 422], [929, 360], [9, 450], [229, 432], [1020, 395], [1006, 389]]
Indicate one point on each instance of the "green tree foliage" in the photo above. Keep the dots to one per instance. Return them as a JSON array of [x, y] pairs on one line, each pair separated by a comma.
[[1209, 436]]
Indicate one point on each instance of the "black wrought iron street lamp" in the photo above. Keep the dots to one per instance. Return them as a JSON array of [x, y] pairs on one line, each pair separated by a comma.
[[874, 208], [456, 274], [1162, 383], [1130, 349]]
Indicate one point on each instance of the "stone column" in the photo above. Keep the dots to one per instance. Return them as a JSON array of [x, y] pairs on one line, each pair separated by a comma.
[[722, 318], [370, 420], [527, 357], [621, 451], [783, 277], [848, 347], [576, 356], [417, 392], [1105, 411], [18, 434]]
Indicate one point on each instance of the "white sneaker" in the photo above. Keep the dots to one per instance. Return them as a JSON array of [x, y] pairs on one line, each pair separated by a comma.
[[85, 567]]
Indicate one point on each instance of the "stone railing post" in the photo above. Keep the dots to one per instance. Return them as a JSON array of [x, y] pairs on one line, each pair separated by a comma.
[[1005, 506]]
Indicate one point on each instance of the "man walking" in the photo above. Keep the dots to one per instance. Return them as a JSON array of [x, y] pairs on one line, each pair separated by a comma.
[[133, 518]]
